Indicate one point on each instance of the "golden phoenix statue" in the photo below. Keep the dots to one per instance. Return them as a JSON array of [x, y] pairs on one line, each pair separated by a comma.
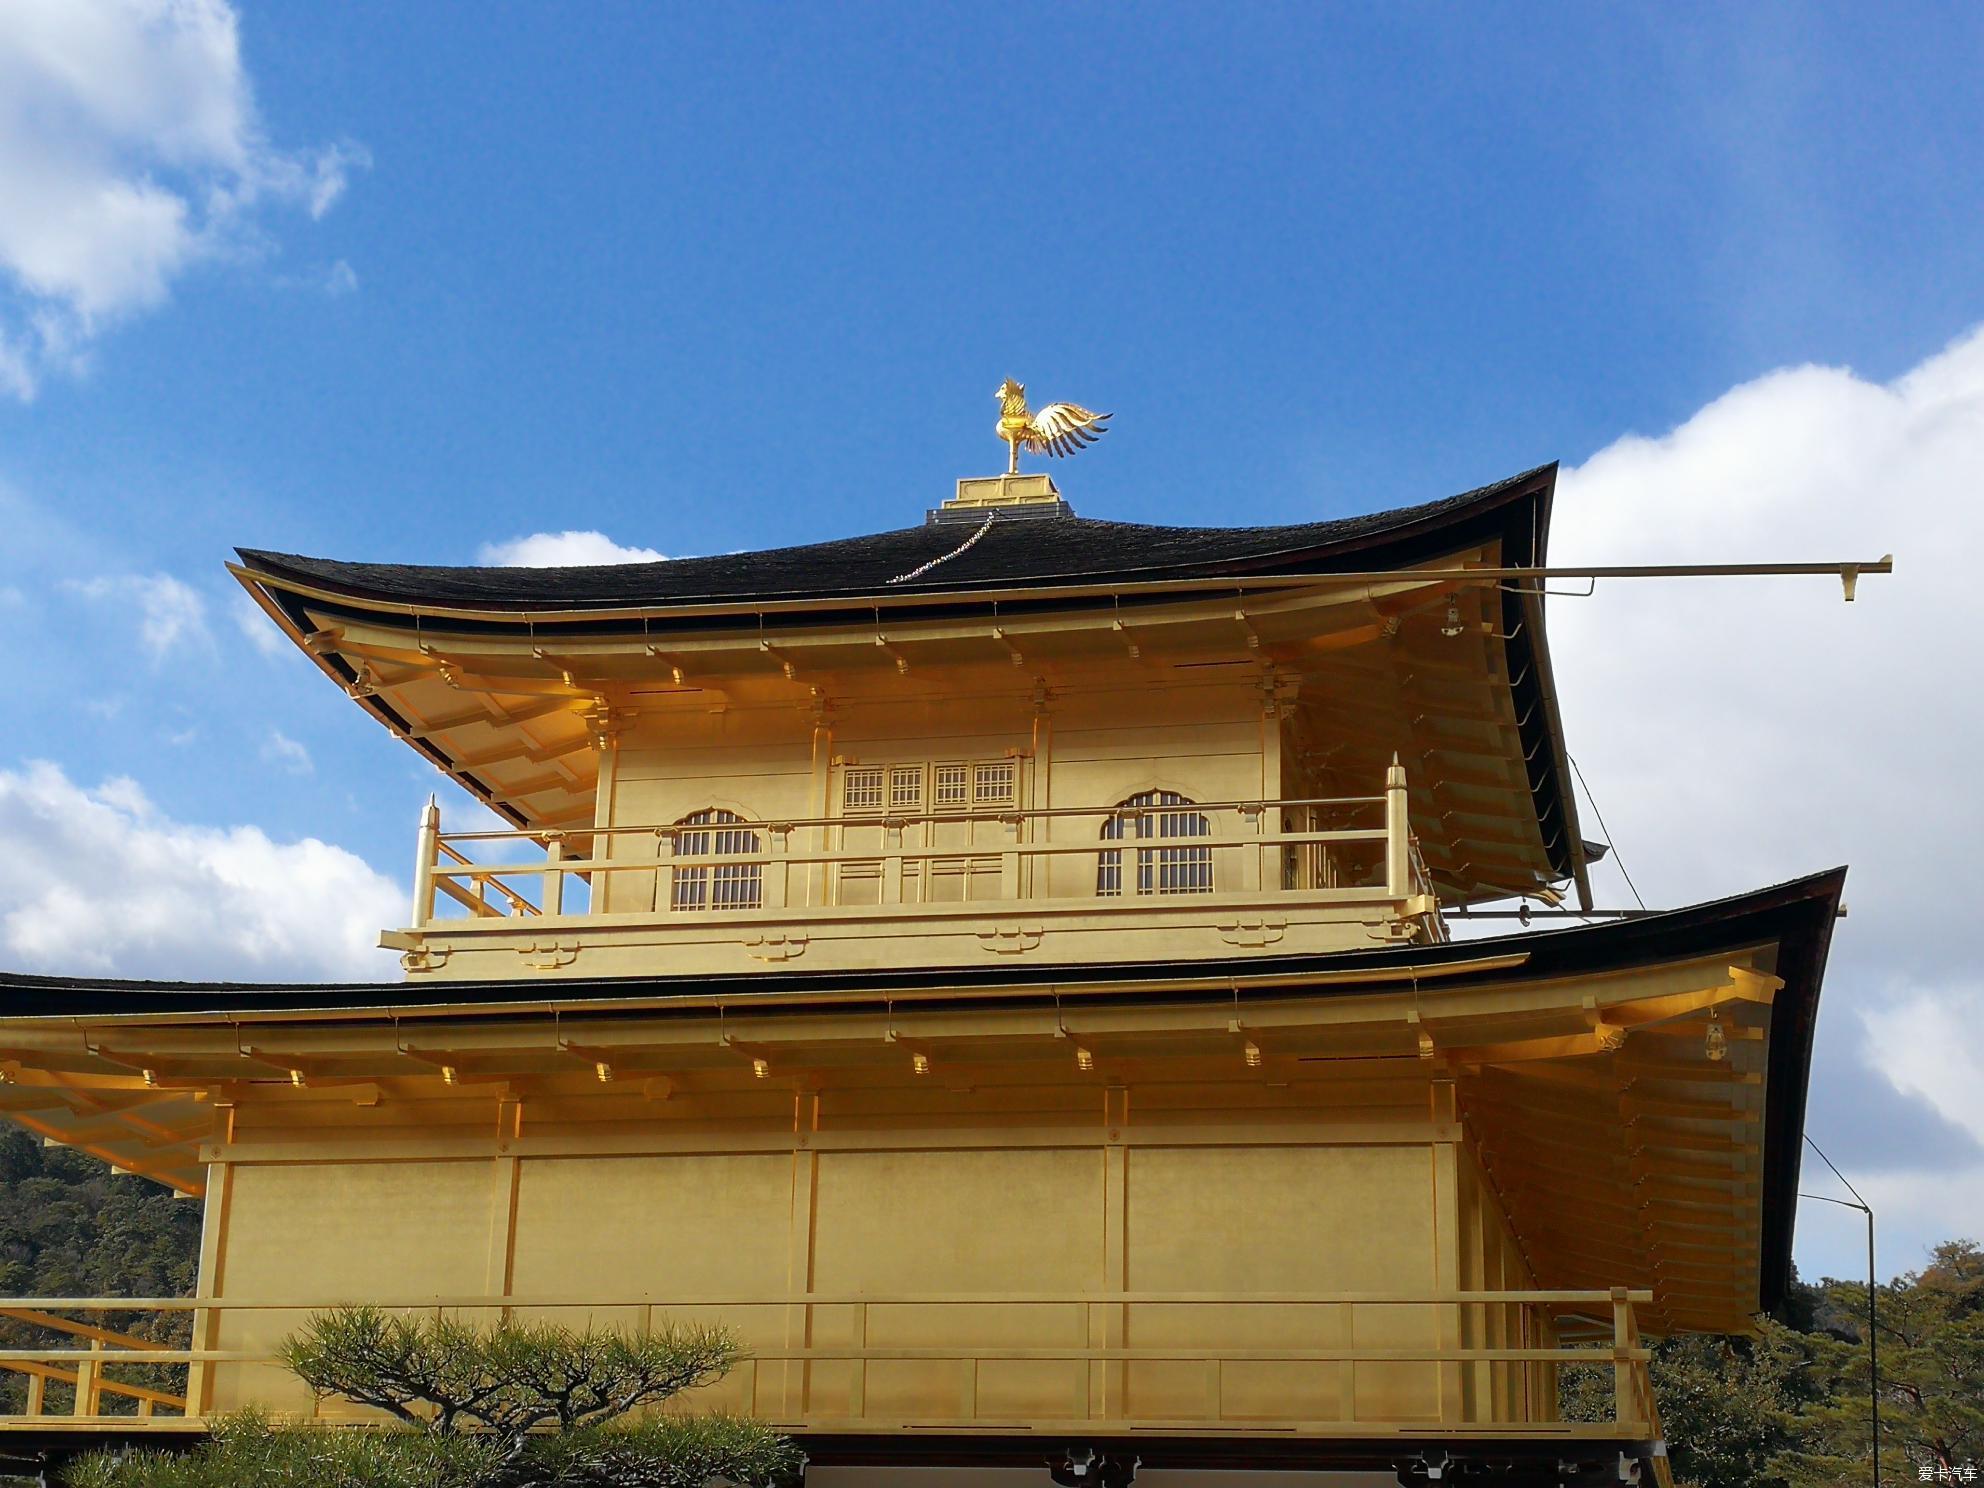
[[1058, 429]]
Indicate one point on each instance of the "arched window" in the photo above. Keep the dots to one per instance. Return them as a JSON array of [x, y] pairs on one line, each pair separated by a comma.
[[1160, 870], [718, 885]]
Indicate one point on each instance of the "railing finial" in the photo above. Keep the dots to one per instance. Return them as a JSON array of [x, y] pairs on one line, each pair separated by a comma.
[[1398, 833], [425, 854]]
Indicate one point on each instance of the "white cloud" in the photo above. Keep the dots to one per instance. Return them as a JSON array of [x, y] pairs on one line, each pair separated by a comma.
[[280, 749], [1926, 1042], [169, 611], [257, 628], [1743, 731], [563, 550], [130, 150], [99, 881]]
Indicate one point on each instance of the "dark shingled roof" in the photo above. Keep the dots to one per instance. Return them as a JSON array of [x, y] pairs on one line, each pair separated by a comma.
[[1797, 915], [1801, 910], [1017, 551]]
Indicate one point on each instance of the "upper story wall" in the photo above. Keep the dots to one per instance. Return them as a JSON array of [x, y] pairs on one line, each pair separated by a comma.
[[950, 758], [1091, 743], [1136, 808]]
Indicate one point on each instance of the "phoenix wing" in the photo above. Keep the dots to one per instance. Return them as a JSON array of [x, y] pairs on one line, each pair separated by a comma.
[[1063, 428]]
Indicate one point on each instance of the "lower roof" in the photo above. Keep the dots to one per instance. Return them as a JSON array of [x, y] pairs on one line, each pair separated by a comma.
[[1786, 928], [1741, 919]]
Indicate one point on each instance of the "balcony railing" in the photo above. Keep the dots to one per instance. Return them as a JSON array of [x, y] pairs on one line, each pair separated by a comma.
[[1348, 852], [1323, 1364]]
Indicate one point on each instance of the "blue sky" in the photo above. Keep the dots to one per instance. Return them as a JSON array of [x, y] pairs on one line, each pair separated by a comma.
[[709, 278]]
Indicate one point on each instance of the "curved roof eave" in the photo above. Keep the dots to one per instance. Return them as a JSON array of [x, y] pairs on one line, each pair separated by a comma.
[[1038, 553], [1797, 916]]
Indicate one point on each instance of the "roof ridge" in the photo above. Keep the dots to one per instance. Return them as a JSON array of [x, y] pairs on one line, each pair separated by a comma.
[[892, 550]]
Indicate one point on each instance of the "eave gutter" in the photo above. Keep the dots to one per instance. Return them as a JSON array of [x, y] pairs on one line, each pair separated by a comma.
[[1531, 605], [1788, 1086], [1572, 951]]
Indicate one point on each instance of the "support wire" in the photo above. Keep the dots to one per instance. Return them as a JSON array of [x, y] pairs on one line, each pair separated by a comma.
[[1617, 856]]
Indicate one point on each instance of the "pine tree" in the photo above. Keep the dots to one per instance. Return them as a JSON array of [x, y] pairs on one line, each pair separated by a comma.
[[1931, 1335]]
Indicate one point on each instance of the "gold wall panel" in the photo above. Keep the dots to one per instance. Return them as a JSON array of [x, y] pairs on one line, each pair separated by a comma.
[[323, 1231], [1013, 1220], [1254, 1219], [698, 1224]]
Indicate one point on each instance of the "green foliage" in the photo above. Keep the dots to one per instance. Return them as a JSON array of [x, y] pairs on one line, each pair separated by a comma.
[[1931, 1337], [664, 1452], [511, 1380], [247, 1452], [69, 1228], [1790, 1408], [517, 1406], [1728, 1405]]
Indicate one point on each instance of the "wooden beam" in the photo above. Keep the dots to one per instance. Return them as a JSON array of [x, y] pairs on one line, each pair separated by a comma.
[[54, 1324], [102, 1385], [526, 749], [489, 715]]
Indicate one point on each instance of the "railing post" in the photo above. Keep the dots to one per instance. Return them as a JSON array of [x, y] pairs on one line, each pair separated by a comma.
[[968, 1390], [425, 853], [1347, 1371], [1085, 1377], [892, 837], [554, 878], [857, 1392], [1398, 836], [775, 879], [37, 1393], [86, 1390], [1253, 871], [1625, 1370]]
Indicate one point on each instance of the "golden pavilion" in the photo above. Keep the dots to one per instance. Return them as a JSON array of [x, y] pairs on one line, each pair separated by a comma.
[[1002, 968]]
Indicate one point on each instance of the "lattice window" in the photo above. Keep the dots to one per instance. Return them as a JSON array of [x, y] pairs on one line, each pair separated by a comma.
[[861, 789], [717, 885], [1160, 870], [993, 783], [953, 787], [906, 788]]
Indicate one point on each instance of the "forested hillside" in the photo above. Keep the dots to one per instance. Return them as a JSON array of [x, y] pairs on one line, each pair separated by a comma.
[[71, 1228]]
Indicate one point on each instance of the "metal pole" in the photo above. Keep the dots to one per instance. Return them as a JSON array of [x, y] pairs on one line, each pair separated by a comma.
[[1847, 571], [1873, 1338], [1873, 1353]]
